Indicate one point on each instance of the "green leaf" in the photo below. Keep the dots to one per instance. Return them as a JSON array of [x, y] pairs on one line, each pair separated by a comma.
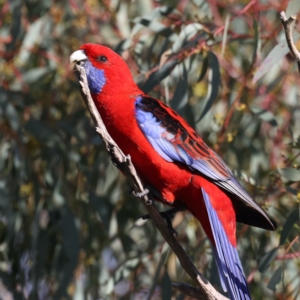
[[273, 58], [267, 259], [148, 19], [104, 209], [70, 251], [290, 174], [214, 81], [264, 115], [34, 75], [12, 116], [187, 33], [16, 19], [34, 36], [275, 279], [288, 225], [160, 265], [157, 76], [44, 133], [256, 41], [166, 287], [204, 68], [180, 98], [189, 115], [292, 190], [158, 28], [41, 243], [293, 8]]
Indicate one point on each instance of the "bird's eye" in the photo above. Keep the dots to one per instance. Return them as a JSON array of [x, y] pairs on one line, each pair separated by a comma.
[[102, 58]]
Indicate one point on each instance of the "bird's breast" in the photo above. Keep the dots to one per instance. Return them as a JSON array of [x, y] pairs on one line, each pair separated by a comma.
[[167, 177]]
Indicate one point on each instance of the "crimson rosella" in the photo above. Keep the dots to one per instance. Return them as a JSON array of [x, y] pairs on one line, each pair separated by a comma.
[[172, 158]]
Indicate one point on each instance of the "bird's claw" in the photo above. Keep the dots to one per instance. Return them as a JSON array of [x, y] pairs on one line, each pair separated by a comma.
[[141, 195]]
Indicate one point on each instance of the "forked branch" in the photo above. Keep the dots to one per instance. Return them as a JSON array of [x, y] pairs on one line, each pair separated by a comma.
[[288, 28]]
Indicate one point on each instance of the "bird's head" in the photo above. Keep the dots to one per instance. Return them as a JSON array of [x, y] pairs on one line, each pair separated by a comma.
[[106, 71]]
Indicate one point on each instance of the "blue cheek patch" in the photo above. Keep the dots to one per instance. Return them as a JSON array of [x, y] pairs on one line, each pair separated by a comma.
[[96, 78]]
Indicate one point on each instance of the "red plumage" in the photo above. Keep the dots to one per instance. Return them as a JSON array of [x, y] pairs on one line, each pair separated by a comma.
[[177, 182], [172, 180]]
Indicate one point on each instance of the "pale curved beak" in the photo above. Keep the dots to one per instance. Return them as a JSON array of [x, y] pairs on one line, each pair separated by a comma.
[[77, 57]]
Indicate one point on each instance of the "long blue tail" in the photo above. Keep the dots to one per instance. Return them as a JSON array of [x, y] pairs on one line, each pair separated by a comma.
[[228, 262]]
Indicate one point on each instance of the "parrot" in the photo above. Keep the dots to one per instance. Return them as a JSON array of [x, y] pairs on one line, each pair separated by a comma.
[[171, 157]]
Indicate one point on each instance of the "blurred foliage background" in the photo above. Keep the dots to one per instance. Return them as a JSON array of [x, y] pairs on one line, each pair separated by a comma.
[[68, 227]]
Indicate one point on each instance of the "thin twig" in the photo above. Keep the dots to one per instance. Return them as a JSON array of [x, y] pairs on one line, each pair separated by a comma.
[[205, 290], [288, 28]]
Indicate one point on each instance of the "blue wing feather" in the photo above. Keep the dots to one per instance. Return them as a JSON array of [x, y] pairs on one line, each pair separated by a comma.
[[229, 265], [171, 148], [175, 141]]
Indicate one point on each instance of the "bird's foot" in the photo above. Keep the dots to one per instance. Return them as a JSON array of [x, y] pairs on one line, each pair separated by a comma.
[[141, 195]]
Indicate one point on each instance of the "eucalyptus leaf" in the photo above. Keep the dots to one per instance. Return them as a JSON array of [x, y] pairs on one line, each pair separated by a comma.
[[34, 75], [11, 115], [157, 27], [36, 31], [273, 58], [293, 8], [70, 251], [290, 174], [103, 208], [293, 218], [180, 98], [264, 115], [148, 19], [187, 33], [292, 190], [266, 260], [157, 76], [256, 40], [275, 279], [214, 81], [42, 132], [166, 287], [204, 68], [16, 19]]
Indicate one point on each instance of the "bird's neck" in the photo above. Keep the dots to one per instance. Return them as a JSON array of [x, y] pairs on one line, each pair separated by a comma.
[[117, 107]]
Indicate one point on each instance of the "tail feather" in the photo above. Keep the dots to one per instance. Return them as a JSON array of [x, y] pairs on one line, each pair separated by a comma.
[[228, 262]]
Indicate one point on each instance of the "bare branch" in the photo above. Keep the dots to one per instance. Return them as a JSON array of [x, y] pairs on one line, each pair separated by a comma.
[[288, 28], [191, 291], [205, 290]]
